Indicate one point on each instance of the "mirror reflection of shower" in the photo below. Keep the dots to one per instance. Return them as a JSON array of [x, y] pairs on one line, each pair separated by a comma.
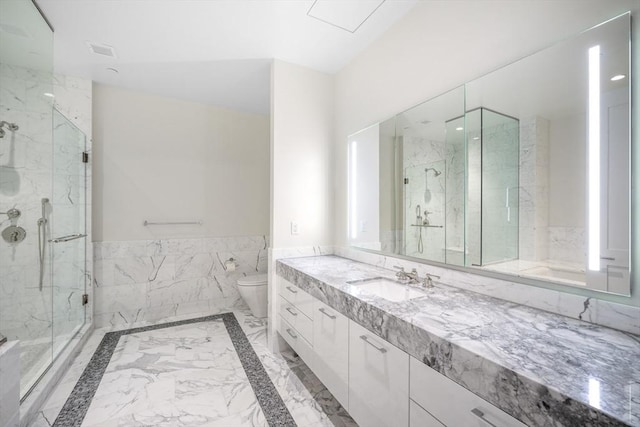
[[427, 192]]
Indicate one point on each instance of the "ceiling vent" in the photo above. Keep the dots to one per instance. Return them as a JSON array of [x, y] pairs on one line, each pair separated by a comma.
[[348, 15], [101, 49]]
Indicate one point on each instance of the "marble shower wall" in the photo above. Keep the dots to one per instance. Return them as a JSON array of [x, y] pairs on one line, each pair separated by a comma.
[[568, 244], [25, 177], [534, 189], [154, 280], [420, 153]]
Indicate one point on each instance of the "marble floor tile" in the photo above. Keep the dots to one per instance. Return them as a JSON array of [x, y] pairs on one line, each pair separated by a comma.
[[191, 375]]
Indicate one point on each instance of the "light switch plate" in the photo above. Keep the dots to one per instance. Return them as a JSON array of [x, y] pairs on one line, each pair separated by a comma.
[[294, 228]]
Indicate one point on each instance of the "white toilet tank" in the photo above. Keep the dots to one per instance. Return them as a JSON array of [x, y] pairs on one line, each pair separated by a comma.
[[253, 290]]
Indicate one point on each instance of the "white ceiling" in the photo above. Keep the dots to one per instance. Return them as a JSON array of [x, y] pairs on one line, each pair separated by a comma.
[[210, 51]]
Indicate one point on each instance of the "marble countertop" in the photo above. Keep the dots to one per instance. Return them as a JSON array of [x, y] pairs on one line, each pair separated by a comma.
[[544, 369]]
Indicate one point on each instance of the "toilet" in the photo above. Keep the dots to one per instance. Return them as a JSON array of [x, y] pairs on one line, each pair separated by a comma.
[[253, 290]]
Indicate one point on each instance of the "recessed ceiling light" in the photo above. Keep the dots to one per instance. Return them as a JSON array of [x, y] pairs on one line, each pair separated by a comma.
[[618, 77], [102, 49], [475, 138], [48, 95], [459, 128], [112, 70]]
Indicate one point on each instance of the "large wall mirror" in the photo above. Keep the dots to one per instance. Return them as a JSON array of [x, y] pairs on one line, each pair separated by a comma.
[[524, 171]]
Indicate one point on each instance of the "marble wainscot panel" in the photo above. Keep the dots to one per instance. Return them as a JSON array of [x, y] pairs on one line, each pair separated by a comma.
[[600, 312], [539, 367], [154, 280]]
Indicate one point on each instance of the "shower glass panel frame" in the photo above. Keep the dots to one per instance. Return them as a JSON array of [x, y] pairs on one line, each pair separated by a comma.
[[68, 246], [492, 205]]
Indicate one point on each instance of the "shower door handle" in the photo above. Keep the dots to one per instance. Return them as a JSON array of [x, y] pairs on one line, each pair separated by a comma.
[[67, 238]]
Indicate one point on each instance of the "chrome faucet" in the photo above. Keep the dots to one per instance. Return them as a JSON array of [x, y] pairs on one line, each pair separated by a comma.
[[411, 277], [427, 282]]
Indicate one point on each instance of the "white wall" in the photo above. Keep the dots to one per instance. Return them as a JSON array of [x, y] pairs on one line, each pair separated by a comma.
[[440, 45], [164, 159], [301, 150], [301, 168]]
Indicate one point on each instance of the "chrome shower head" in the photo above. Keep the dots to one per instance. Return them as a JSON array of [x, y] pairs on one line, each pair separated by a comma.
[[11, 126], [435, 172]]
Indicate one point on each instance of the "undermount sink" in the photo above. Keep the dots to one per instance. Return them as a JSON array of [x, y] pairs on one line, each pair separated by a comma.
[[387, 289]]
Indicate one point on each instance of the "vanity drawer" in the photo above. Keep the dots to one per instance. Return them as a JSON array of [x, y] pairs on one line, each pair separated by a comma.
[[297, 319], [452, 404], [378, 380], [418, 417], [296, 296], [296, 341]]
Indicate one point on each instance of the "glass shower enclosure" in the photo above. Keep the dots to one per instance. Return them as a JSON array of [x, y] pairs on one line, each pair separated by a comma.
[[43, 266], [492, 205]]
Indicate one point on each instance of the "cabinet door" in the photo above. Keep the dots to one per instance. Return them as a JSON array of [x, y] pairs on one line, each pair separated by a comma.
[[331, 346], [451, 403], [378, 380], [418, 417]]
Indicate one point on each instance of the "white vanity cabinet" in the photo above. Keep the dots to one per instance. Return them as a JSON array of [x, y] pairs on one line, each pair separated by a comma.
[[297, 342], [452, 404], [419, 417], [331, 346], [296, 296], [294, 324], [378, 380]]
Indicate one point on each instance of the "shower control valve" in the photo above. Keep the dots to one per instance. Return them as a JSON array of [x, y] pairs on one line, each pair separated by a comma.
[[12, 213]]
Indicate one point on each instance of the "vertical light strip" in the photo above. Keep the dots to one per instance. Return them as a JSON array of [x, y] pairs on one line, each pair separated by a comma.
[[353, 190], [594, 159]]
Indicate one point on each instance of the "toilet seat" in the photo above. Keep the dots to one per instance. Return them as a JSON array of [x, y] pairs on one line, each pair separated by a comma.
[[253, 280]]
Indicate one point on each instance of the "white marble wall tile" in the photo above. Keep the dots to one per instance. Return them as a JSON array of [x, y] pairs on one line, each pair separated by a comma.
[[568, 244], [140, 269], [178, 276], [127, 298], [194, 265]]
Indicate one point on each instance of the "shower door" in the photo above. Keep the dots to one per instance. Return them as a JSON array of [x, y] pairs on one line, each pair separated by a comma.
[[68, 230], [42, 198]]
